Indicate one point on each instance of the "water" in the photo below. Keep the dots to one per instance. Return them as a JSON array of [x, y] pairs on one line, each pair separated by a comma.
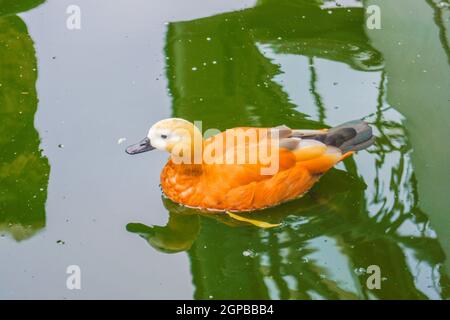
[[70, 100]]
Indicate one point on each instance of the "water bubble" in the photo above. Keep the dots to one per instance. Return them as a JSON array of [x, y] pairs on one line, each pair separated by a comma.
[[208, 39], [249, 253], [121, 140], [61, 146], [214, 62], [60, 242], [360, 271], [194, 68]]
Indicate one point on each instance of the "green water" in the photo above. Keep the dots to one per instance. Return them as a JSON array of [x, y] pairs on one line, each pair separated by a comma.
[[70, 195]]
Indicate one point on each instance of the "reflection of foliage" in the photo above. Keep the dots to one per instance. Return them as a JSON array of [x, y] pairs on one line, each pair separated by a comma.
[[441, 14], [23, 170], [230, 76], [9, 7], [340, 218]]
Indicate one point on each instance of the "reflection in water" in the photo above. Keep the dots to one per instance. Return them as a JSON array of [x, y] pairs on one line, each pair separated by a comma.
[[418, 86], [23, 170], [226, 70]]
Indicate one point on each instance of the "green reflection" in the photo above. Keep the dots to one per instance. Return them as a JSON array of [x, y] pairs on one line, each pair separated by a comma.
[[419, 80], [23, 169], [364, 215]]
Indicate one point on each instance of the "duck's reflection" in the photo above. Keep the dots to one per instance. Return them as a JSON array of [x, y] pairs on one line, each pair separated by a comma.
[[177, 235], [184, 223]]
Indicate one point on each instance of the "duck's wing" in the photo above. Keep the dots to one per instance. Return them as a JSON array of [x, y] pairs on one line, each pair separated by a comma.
[[301, 158], [319, 150]]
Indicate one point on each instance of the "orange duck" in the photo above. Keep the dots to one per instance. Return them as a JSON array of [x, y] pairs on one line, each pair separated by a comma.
[[245, 169]]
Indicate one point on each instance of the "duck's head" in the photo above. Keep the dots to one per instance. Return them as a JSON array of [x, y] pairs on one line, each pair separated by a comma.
[[174, 135]]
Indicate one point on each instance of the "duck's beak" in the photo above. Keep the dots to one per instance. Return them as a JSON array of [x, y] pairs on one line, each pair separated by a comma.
[[140, 147]]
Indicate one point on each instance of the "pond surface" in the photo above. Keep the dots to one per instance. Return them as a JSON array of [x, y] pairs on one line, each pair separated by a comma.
[[69, 195]]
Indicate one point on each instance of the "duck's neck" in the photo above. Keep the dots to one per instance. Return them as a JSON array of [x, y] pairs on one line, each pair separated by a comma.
[[189, 153]]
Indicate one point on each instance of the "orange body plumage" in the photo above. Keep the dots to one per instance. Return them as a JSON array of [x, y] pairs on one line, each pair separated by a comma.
[[242, 187]]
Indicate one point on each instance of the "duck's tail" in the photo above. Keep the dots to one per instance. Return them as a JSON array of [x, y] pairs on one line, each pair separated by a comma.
[[350, 136]]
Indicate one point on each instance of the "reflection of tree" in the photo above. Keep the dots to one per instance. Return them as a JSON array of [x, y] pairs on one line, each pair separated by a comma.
[[23, 170], [441, 13], [229, 75], [233, 260]]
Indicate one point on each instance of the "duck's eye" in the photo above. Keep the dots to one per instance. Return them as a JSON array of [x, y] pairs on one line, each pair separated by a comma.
[[163, 136]]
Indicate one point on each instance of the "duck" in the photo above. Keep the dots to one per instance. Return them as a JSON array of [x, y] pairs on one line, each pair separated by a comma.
[[247, 168]]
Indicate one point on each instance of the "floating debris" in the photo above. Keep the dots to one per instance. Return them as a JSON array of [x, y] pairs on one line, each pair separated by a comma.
[[60, 242], [61, 146]]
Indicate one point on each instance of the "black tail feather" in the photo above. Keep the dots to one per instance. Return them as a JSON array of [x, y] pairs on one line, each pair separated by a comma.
[[350, 136]]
